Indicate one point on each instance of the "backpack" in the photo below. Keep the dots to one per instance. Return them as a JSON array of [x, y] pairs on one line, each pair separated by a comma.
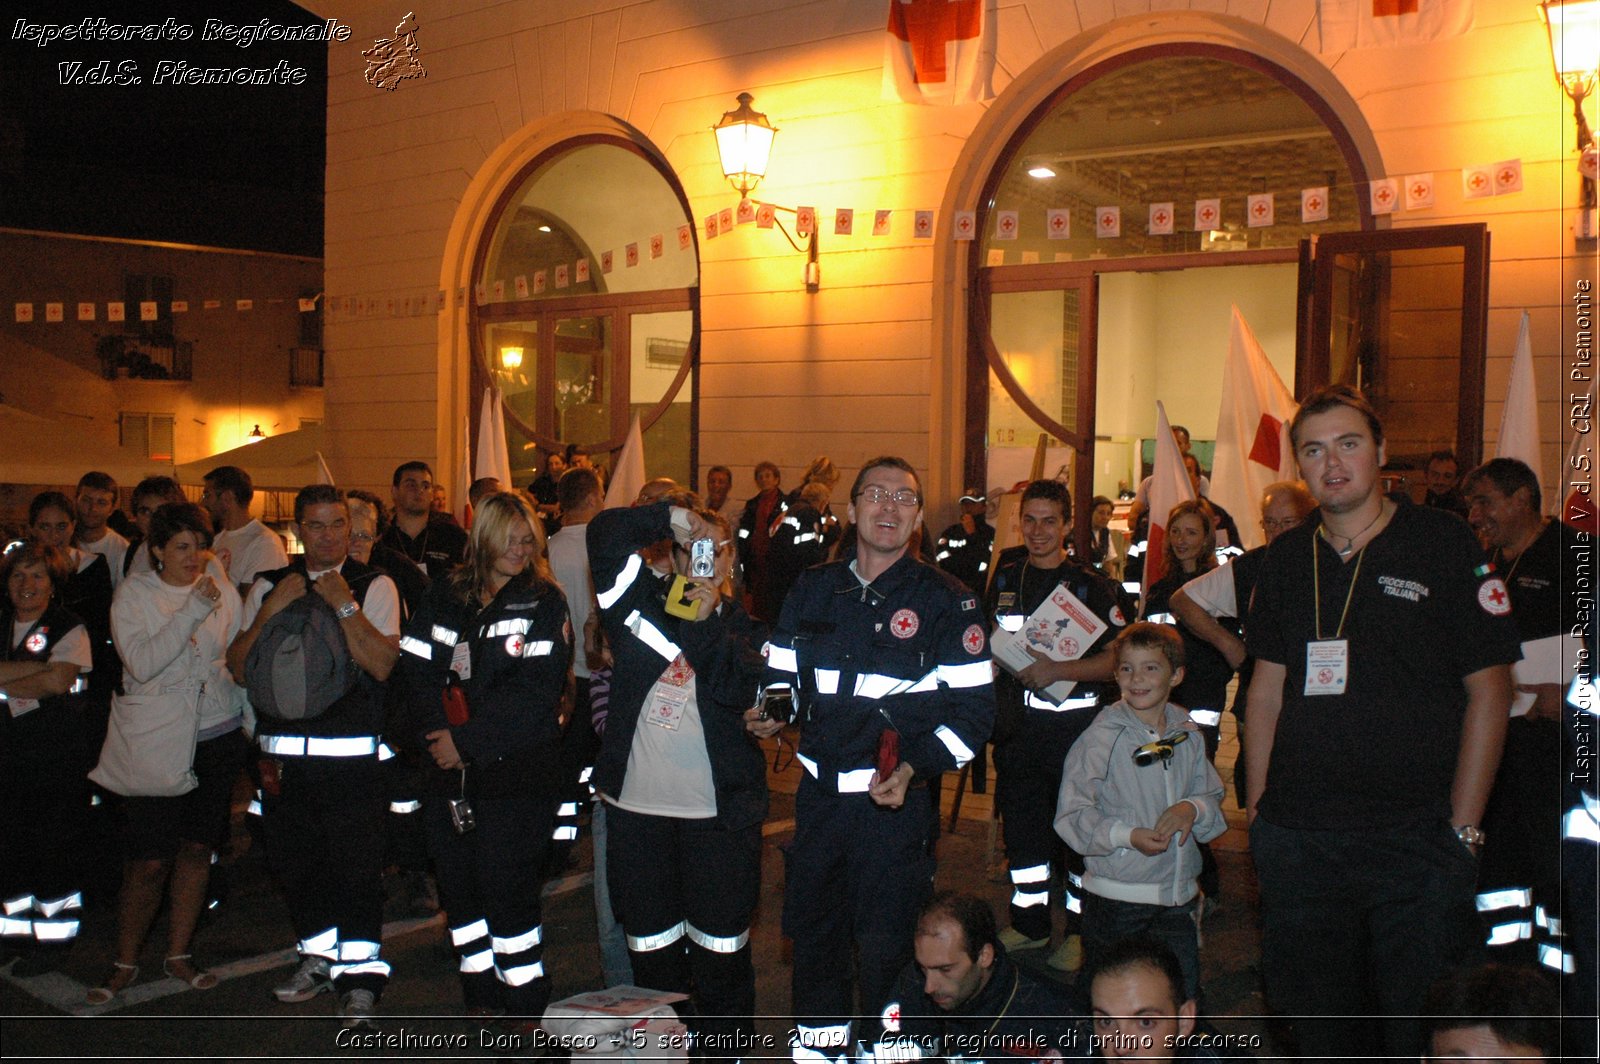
[[300, 664]]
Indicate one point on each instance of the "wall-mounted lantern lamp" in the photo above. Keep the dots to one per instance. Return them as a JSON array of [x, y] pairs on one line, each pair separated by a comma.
[[1574, 27], [744, 147]]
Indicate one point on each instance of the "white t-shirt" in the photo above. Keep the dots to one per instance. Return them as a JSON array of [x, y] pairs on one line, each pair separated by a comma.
[[569, 563], [381, 603], [254, 549], [114, 547], [72, 647], [669, 770], [1213, 592]]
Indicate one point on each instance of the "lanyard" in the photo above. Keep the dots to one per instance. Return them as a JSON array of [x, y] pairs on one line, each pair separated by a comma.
[[1316, 589]]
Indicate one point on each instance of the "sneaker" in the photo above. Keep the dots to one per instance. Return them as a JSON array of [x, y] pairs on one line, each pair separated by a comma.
[[1068, 956], [308, 980], [356, 1008], [1012, 939]]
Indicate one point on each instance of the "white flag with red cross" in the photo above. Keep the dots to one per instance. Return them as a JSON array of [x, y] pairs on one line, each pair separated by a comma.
[[1314, 204], [1577, 470], [1519, 419], [1207, 214], [1385, 195], [938, 51], [1347, 24], [1419, 192], [1058, 223], [1160, 219], [1107, 223], [1252, 448], [1006, 224], [1260, 210], [1169, 485]]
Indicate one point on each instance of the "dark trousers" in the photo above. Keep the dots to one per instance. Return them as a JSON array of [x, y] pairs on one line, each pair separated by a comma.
[[1028, 768], [1106, 921], [1358, 924], [324, 839], [1520, 872], [685, 893], [490, 880], [857, 874]]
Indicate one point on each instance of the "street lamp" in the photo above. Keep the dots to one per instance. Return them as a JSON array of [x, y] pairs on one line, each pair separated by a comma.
[[1574, 28], [744, 147]]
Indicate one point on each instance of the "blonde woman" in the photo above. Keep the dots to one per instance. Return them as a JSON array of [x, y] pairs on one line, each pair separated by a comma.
[[482, 670]]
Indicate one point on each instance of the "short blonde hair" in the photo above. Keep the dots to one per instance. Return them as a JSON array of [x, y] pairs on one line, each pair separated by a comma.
[[491, 535]]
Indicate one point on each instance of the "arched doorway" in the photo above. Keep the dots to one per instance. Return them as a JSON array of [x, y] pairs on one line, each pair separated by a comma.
[[586, 309]]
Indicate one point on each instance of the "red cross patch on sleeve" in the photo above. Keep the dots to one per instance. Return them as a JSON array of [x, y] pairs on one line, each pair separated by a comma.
[[1493, 597], [972, 639], [904, 624]]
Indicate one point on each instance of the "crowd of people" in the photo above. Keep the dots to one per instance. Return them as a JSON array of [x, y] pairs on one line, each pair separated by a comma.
[[411, 691]]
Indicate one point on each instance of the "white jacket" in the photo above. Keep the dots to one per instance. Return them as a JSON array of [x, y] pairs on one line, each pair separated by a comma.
[[1105, 795], [174, 642]]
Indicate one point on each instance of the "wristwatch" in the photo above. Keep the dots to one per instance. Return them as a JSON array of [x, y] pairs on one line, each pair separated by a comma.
[[348, 610], [1470, 834]]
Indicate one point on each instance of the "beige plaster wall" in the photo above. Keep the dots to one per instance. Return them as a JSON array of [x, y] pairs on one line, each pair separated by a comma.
[[872, 362]]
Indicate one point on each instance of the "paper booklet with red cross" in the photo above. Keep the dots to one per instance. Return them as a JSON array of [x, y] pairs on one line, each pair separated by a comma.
[[1062, 629]]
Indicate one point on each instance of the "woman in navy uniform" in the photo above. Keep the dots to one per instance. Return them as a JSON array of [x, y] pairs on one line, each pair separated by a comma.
[[483, 668]]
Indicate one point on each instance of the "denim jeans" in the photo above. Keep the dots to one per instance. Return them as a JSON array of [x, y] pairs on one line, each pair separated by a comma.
[[1106, 921]]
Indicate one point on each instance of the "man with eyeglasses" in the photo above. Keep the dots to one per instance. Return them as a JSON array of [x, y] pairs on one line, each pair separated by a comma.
[[1213, 604], [323, 791], [887, 660], [429, 538], [250, 547]]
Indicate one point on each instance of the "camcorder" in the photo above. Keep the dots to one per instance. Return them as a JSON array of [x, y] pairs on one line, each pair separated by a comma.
[[1160, 750]]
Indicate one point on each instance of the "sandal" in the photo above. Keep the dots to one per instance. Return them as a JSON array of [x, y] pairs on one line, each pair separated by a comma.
[[200, 980], [122, 977]]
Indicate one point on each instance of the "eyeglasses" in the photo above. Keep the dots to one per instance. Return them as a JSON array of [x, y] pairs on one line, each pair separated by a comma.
[[876, 495], [362, 537], [317, 528], [1282, 524], [1160, 750]]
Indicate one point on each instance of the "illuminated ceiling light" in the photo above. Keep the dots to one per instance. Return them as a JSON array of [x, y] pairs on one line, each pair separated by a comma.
[[1041, 172], [544, 229], [744, 144], [511, 357]]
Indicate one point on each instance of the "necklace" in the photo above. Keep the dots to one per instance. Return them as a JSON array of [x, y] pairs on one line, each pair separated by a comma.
[[1349, 541], [1500, 552]]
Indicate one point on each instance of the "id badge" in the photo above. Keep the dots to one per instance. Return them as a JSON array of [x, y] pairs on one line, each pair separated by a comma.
[[1327, 666], [461, 660], [666, 707]]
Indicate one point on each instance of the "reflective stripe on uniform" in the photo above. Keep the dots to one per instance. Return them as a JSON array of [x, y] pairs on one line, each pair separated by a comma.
[[1033, 701], [448, 636], [630, 573], [1507, 933], [1031, 874], [405, 807], [318, 746], [1029, 899], [538, 648], [522, 975], [827, 681], [1209, 717], [972, 674], [876, 685], [460, 936], [718, 943], [567, 809], [856, 781], [517, 943], [385, 751], [358, 957], [55, 930], [952, 742], [1557, 958], [322, 944], [568, 833], [1510, 898], [780, 658], [410, 644], [807, 764], [481, 961], [1580, 823], [652, 637], [647, 943], [13, 927], [59, 905], [20, 904], [508, 626]]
